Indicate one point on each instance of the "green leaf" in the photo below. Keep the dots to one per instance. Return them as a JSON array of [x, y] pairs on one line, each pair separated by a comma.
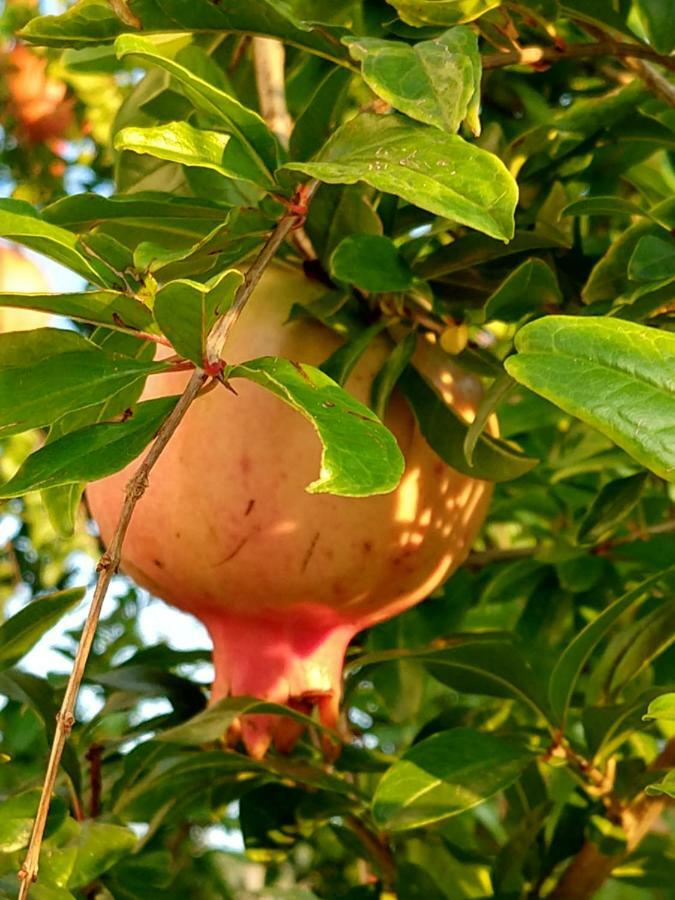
[[438, 172], [39, 394], [92, 452], [606, 727], [54, 242], [499, 389], [99, 846], [441, 12], [25, 348], [38, 694], [61, 505], [569, 666], [109, 308], [445, 775], [614, 375], [445, 431], [181, 143], [318, 119], [603, 206], [337, 212], [186, 311], [653, 259], [530, 287], [666, 786], [16, 820], [436, 82], [387, 378], [372, 263], [254, 136], [659, 23], [610, 507], [19, 634], [212, 723], [661, 709], [94, 22], [360, 456], [340, 364]]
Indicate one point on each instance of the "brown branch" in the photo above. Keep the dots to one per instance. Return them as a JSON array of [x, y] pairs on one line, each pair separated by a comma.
[[268, 62], [534, 56], [378, 850], [590, 868], [110, 561]]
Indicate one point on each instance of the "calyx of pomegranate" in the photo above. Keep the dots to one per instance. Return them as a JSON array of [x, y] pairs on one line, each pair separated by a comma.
[[281, 578]]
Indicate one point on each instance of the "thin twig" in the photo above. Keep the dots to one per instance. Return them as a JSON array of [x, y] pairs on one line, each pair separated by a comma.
[[378, 850], [110, 561], [268, 61], [590, 868], [535, 55], [653, 79]]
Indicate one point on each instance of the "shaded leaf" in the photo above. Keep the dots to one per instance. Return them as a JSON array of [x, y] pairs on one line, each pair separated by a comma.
[[340, 364], [438, 172], [441, 12], [529, 288], [615, 375], [570, 664], [609, 508], [371, 262], [386, 379], [653, 259], [448, 773], [360, 456], [446, 432], [499, 389]]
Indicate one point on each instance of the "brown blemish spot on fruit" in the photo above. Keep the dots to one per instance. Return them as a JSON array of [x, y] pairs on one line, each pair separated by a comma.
[[367, 546], [310, 551], [245, 465], [249, 508], [158, 563], [234, 552]]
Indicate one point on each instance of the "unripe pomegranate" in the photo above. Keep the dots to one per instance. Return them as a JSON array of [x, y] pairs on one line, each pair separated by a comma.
[[281, 578], [19, 275], [36, 101]]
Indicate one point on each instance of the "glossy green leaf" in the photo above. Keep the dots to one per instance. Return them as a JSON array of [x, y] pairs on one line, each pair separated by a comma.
[[614, 375], [181, 143], [360, 456], [661, 709], [94, 22], [337, 212], [61, 505], [186, 311], [99, 846], [529, 288], [92, 452], [448, 773], [25, 348], [371, 262], [606, 727], [386, 379], [438, 172], [39, 394], [54, 242], [441, 12], [253, 134], [151, 209], [569, 666], [610, 507], [436, 82], [110, 308], [318, 120], [16, 820], [340, 364], [653, 259], [24, 629], [446, 431]]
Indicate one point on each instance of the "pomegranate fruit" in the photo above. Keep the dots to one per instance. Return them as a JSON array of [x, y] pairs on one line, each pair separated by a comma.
[[19, 275], [37, 102], [284, 579]]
